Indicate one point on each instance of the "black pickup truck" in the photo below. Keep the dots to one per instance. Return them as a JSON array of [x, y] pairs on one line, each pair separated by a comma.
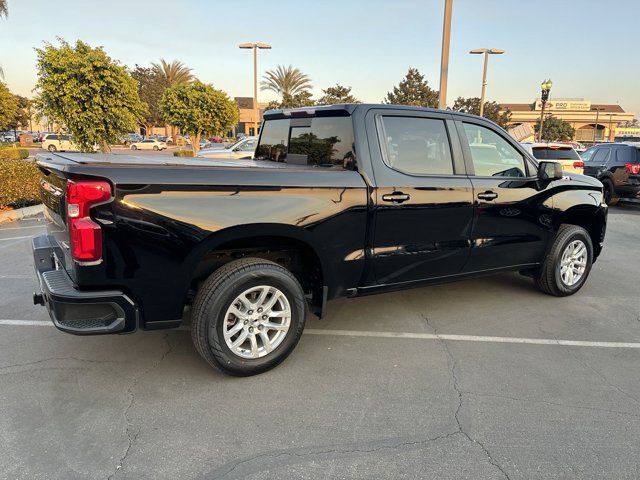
[[341, 200]]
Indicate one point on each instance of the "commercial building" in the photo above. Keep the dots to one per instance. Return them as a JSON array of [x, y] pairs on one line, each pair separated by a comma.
[[590, 120]]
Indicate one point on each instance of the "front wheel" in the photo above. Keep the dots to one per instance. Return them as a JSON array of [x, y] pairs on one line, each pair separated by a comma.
[[568, 262], [155, 147], [248, 316], [52, 148], [133, 147]]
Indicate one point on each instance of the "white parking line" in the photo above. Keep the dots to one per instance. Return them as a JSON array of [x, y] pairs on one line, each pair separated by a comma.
[[22, 228], [408, 335], [472, 338], [15, 238]]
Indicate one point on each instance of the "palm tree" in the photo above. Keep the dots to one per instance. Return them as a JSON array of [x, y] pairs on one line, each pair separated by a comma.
[[286, 81], [174, 73]]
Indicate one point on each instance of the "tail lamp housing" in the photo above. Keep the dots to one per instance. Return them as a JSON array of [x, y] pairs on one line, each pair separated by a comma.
[[85, 235], [578, 164], [632, 168]]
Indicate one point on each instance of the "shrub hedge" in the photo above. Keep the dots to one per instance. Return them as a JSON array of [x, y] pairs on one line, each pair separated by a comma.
[[183, 153], [18, 183], [10, 153]]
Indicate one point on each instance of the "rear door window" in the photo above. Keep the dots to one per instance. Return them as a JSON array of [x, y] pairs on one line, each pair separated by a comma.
[[600, 157], [416, 145]]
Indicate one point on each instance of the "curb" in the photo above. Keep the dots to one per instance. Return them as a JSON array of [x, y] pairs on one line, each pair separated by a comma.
[[20, 213]]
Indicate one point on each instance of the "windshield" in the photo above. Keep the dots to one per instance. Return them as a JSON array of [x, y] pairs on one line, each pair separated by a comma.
[[554, 153]]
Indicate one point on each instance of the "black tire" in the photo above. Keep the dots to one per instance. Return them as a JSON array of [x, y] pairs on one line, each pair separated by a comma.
[[155, 147], [217, 294], [609, 192], [133, 147], [52, 148], [548, 278]]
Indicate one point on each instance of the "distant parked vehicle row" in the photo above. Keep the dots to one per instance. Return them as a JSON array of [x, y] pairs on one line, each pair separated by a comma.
[[562, 153], [617, 166], [244, 148]]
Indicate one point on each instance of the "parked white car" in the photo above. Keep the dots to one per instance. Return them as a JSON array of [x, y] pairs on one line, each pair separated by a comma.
[[60, 142], [149, 144], [562, 153], [244, 148]]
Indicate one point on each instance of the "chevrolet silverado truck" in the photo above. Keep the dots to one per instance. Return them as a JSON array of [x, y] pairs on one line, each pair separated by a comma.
[[339, 201]]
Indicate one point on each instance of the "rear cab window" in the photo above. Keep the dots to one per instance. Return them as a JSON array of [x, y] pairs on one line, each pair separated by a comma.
[[555, 153], [322, 142]]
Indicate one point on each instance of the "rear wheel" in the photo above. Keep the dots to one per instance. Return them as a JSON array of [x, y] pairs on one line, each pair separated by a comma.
[[568, 262], [52, 148], [609, 192], [133, 147], [155, 147], [248, 316]]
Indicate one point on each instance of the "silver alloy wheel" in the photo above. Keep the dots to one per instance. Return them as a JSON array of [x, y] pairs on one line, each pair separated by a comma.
[[257, 321], [573, 263]]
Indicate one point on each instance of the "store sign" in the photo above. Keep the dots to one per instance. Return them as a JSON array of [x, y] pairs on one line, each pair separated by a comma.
[[561, 104], [627, 132]]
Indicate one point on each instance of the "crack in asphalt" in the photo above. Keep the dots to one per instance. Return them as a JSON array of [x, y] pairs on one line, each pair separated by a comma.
[[225, 470], [604, 378], [547, 402], [452, 363], [132, 437], [51, 359]]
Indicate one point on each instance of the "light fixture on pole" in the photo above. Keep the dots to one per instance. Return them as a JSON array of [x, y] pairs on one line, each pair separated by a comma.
[[255, 46], [486, 52], [546, 88]]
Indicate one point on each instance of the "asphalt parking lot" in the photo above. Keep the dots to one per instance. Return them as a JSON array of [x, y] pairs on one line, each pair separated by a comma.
[[479, 379]]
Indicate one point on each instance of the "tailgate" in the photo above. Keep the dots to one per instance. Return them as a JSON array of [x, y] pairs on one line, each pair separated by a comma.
[[53, 187]]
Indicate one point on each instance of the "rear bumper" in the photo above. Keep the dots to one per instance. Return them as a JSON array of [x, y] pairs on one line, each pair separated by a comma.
[[77, 311]]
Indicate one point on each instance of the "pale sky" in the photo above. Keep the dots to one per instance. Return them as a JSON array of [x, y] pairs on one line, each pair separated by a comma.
[[588, 48]]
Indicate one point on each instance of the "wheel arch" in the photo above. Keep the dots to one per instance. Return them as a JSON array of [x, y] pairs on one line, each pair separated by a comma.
[[290, 246], [590, 217]]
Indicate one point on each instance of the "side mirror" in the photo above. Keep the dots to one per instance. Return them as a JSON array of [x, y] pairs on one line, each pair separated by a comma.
[[549, 171]]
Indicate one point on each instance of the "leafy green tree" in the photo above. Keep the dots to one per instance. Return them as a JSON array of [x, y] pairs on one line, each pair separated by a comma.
[[555, 129], [199, 109], [286, 81], [491, 110], [8, 107], [23, 114], [413, 90], [151, 86], [87, 92], [337, 94], [302, 99], [4, 9]]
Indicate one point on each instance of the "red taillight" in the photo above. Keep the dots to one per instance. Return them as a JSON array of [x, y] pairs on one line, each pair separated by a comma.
[[84, 233], [633, 168], [578, 164]]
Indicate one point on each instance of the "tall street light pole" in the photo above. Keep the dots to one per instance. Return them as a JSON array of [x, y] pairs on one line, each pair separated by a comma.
[[546, 88], [255, 46], [595, 130], [444, 60], [486, 52]]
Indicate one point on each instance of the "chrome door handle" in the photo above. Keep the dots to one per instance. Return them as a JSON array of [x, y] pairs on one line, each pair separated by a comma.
[[395, 197], [488, 195]]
